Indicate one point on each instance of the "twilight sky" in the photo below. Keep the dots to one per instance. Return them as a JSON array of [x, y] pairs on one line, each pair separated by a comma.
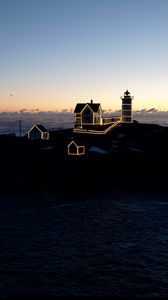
[[54, 53]]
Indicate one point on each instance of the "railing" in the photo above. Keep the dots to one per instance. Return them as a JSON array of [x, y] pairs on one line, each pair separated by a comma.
[[91, 131], [107, 120], [112, 126]]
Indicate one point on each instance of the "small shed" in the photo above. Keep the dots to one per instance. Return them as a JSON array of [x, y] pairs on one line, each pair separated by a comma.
[[74, 149], [38, 132]]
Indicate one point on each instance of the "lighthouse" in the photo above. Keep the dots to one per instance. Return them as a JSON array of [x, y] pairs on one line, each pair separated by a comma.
[[126, 112]]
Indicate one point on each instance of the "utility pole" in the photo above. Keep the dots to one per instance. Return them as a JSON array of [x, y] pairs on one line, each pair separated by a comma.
[[20, 128]]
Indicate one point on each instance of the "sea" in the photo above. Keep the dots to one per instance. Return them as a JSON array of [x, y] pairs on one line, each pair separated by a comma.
[[19, 123], [114, 244], [109, 244]]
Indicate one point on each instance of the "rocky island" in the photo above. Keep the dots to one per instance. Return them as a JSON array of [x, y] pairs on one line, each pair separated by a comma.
[[132, 157]]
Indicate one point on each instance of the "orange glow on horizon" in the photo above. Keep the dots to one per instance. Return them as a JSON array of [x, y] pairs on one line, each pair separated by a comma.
[[142, 100]]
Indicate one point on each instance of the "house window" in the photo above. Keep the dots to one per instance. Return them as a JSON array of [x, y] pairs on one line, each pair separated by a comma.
[[78, 120]]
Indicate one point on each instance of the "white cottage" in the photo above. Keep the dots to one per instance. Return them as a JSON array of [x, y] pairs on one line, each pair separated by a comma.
[[88, 114], [38, 132], [74, 149]]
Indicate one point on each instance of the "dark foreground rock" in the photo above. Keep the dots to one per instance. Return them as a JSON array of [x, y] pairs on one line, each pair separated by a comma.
[[135, 160]]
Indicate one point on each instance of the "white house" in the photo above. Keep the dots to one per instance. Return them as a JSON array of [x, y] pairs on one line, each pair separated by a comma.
[[88, 114], [74, 149], [38, 132]]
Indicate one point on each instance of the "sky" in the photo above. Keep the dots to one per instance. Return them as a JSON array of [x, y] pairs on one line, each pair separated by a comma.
[[55, 53]]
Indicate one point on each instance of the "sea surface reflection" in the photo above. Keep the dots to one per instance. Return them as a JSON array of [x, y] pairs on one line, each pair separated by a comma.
[[108, 245]]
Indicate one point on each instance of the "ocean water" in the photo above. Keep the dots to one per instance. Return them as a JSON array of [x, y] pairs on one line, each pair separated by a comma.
[[20, 123], [106, 245]]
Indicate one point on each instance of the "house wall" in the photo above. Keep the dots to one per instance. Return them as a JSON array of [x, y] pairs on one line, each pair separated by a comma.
[[81, 150], [45, 135], [98, 117], [72, 149], [78, 119], [34, 134], [87, 115]]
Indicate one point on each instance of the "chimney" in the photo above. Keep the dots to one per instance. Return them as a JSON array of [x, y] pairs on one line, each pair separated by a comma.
[[91, 101]]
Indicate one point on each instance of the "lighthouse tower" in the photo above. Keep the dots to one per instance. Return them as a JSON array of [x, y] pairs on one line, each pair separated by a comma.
[[126, 112]]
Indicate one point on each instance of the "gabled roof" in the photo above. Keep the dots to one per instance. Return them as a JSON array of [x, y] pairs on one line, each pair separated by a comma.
[[77, 146], [80, 106], [40, 127]]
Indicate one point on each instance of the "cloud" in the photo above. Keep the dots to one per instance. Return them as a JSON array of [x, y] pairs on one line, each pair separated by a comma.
[[35, 110], [143, 110], [152, 110], [146, 111], [64, 110], [23, 110]]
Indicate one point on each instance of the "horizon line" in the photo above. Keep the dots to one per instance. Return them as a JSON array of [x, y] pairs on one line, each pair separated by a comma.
[[70, 111]]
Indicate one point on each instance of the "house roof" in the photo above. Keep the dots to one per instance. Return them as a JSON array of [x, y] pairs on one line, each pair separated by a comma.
[[74, 143], [40, 127], [80, 106]]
